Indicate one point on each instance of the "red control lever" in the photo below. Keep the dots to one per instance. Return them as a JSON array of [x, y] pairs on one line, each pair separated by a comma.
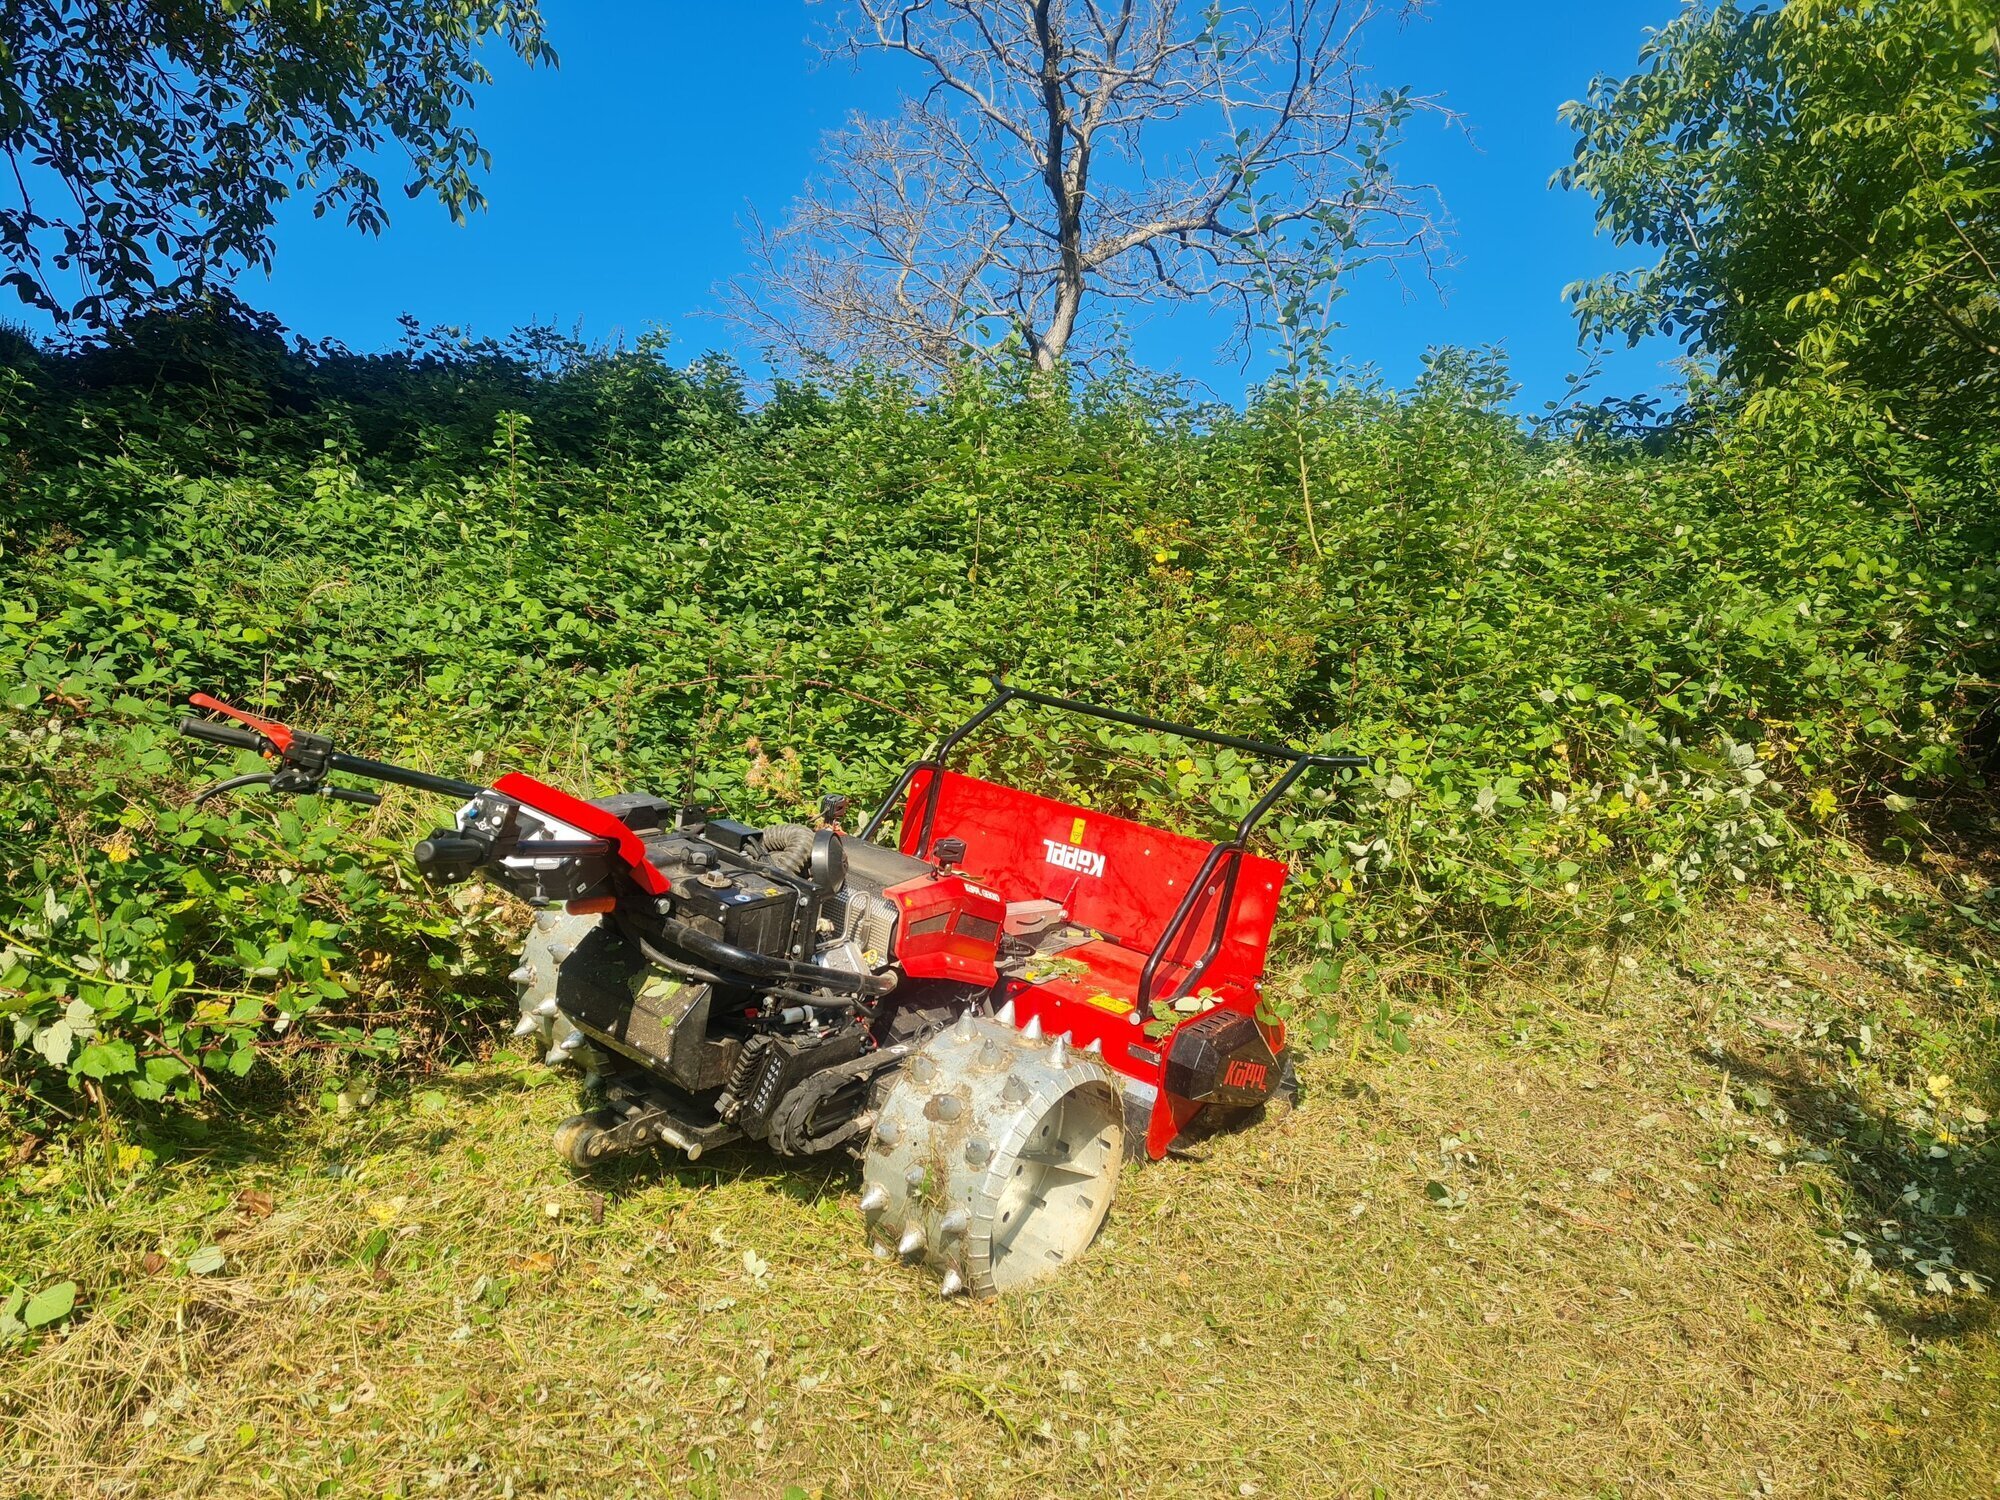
[[278, 734]]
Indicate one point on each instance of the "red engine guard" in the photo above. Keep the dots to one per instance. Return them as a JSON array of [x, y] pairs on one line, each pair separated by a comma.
[[949, 929]]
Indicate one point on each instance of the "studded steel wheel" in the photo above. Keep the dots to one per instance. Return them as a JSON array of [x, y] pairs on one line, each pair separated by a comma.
[[994, 1157]]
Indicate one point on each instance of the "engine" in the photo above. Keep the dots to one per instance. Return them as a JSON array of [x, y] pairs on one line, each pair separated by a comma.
[[765, 993]]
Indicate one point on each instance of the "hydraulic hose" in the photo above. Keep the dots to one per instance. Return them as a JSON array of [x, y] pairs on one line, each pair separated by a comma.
[[716, 954]]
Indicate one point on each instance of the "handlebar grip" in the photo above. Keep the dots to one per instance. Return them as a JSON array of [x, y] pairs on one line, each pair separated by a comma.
[[353, 794], [222, 734], [449, 853]]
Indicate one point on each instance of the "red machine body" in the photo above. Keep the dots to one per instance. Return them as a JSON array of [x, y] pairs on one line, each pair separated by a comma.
[[1124, 882], [1120, 923]]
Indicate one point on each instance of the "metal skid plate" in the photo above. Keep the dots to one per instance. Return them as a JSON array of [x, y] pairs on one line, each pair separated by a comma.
[[994, 1157]]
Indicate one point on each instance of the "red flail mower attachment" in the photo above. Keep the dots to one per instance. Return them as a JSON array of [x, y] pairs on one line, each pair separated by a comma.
[[991, 1014], [1125, 919]]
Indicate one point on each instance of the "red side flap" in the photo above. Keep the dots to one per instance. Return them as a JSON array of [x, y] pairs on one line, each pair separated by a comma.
[[594, 821]]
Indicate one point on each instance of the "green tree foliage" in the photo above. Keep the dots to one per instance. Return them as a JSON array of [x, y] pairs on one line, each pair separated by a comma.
[[1822, 183], [151, 144], [1595, 683]]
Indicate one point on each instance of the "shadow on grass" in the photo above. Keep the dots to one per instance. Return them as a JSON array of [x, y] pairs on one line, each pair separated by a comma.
[[804, 1179], [257, 1123], [1899, 1199], [276, 1125]]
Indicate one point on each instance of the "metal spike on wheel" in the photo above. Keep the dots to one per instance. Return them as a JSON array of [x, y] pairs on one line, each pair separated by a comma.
[[535, 977], [1012, 1180]]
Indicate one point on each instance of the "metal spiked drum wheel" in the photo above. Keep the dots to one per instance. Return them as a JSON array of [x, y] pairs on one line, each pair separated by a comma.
[[994, 1157], [552, 937]]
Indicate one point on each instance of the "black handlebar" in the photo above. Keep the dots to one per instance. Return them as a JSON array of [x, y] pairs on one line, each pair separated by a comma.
[[448, 851], [222, 734], [1006, 694], [423, 781], [305, 761]]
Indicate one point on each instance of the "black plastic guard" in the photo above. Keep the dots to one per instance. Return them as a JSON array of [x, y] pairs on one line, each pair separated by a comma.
[[1221, 1058]]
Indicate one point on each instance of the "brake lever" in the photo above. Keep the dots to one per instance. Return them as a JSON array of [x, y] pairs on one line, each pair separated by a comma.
[[303, 759], [270, 779]]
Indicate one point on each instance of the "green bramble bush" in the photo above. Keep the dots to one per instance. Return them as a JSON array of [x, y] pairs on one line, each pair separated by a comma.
[[1597, 677]]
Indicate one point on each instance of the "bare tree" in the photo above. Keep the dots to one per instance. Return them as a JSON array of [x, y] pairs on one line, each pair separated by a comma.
[[1065, 150]]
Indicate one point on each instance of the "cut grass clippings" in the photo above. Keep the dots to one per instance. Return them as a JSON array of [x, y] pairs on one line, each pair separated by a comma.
[[1595, 1234]]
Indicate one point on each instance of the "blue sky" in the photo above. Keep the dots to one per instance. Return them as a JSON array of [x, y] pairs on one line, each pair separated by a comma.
[[621, 183]]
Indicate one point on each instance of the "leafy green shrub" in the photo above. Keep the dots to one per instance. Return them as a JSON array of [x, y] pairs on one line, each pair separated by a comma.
[[1595, 680]]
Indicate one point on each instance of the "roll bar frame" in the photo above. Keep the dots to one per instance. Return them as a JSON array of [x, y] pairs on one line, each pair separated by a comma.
[[1299, 763]]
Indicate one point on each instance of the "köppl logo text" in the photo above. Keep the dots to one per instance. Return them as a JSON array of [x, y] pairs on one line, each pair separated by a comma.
[[1069, 857]]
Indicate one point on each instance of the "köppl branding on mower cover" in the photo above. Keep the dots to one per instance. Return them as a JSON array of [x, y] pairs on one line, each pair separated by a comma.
[[965, 1011]]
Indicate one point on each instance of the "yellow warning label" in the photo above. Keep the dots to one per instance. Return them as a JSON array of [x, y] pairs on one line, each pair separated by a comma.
[[1111, 1003], [1076, 831]]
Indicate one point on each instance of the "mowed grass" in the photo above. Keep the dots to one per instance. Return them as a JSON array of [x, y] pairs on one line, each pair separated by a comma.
[[1593, 1235]]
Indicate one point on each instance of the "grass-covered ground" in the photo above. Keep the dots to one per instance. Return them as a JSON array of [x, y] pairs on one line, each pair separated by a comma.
[[1712, 1217]]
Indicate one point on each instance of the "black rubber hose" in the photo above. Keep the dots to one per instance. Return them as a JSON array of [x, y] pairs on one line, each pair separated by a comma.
[[798, 997], [717, 954], [234, 783], [677, 965]]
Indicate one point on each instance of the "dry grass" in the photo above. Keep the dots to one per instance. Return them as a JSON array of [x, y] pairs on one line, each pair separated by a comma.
[[1636, 1296]]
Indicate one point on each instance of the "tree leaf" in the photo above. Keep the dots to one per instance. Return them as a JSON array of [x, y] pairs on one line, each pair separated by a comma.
[[106, 1059]]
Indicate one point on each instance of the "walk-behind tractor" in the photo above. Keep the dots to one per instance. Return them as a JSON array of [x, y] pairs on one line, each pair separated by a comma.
[[992, 1014]]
